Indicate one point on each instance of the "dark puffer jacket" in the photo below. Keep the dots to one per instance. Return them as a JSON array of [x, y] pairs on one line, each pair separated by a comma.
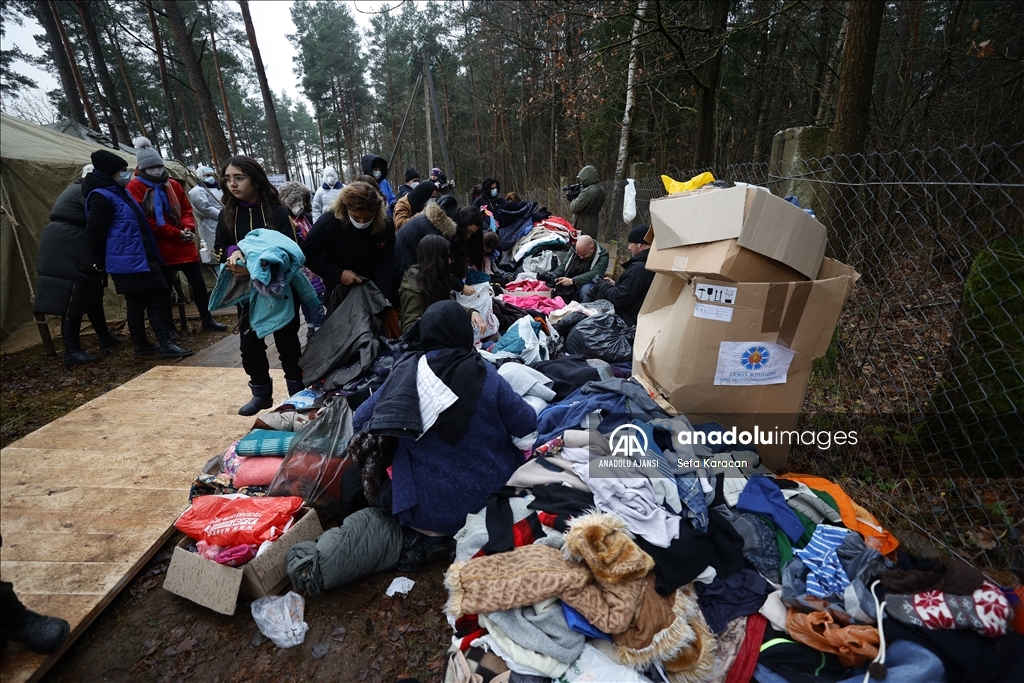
[[68, 285]]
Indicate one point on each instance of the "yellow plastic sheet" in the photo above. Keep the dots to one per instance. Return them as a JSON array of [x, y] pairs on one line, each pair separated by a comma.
[[697, 181]]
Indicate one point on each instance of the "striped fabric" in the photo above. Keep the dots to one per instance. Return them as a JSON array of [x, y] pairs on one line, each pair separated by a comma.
[[265, 442], [825, 572]]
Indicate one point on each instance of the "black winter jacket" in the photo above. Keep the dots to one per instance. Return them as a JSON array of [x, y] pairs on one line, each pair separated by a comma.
[[433, 221], [628, 294], [334, 246], [68, 285]]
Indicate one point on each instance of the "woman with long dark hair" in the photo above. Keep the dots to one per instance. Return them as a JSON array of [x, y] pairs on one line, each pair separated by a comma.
[[428, 282], [250, 203]]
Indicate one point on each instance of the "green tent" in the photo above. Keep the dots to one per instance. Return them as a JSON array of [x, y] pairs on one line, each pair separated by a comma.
[[37, 164]]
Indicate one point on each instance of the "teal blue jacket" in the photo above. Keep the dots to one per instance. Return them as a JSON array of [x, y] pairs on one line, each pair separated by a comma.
[[275, 278]]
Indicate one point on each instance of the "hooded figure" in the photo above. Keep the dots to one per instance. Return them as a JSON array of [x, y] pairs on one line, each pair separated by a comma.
[[455, 464], [376, 167], [326, 193], [490, 195], [587, 205], [206, 198]]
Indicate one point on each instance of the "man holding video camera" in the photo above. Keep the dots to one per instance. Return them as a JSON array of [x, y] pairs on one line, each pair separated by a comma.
[[587, 198]]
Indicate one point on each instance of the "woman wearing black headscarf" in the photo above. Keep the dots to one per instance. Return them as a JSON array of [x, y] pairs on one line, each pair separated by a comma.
[[413, 203], [466, 454]]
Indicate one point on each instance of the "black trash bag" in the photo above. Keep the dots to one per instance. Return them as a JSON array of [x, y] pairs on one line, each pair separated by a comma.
[[565, 325], [600, 336]]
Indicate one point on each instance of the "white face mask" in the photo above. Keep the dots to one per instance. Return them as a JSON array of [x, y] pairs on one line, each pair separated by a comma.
[[494, 192], [154, 172], [413, 184], [359, 226], [376, 175], [331, 179], [296, 208]]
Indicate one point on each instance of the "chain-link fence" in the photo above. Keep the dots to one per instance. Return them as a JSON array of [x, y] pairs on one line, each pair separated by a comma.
[[928, 359]]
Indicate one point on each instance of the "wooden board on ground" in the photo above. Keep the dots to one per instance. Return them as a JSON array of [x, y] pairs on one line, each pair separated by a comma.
[[88, 499]]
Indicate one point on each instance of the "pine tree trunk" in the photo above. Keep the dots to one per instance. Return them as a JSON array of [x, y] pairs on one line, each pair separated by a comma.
[[75, 71], [853, 103], [93, 38], [220, 80], [165, 84], [704, 153], [127, 81], [273, 129], [200, 90], [60, 56]]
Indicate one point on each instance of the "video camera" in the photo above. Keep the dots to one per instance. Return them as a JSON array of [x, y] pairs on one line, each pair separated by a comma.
[[571, 192]]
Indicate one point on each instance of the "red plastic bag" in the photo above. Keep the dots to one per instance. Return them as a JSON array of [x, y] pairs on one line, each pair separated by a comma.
[[237, 520]]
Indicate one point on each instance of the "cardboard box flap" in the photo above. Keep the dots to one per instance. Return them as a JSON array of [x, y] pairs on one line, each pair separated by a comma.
[[693, 218], [266, 574], [777, 229], [203, 582]]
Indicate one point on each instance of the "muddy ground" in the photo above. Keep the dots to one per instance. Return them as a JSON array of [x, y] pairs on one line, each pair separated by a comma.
[[356, 633]]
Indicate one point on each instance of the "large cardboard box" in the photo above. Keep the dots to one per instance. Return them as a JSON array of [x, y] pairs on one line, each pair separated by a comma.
[[739, 353], [724, 259], [755, 218], [218, 586]]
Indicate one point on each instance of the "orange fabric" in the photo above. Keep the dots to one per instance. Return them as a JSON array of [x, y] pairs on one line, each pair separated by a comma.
[[854, 516], [854, 645]]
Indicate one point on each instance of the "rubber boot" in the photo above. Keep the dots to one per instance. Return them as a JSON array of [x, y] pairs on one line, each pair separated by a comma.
[[294, 386], [73, 353], [144, 347], [40, 633], [262, 398], [169, 349]]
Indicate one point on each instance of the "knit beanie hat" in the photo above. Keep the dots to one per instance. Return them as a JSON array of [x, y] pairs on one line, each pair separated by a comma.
[[147, 156], [108, 162], [411, 174], [450, 206], [638, 235]]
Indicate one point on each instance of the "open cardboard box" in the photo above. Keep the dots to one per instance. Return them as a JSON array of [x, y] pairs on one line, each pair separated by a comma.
[[757, 220], [218, 586], [735, 351], [724, 260]]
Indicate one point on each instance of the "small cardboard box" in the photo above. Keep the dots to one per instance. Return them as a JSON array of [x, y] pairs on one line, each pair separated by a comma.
[[724, 259], [735, 351], [755, 218], [218, 586]]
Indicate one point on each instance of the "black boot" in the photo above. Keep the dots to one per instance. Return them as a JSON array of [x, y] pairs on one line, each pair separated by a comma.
[[40, 633], [109, 341], [144, 347], [294, 386], [73, 353], [262, 398], [169, 349], [210, 324]]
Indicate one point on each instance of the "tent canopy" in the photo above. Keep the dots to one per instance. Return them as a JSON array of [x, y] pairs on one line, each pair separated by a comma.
[[36, 165]]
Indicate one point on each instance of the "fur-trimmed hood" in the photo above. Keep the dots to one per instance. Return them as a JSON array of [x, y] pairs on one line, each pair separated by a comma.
[[602, 542], [440, 220]]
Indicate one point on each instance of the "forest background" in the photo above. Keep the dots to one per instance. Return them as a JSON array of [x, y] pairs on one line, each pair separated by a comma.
[[530, 91]]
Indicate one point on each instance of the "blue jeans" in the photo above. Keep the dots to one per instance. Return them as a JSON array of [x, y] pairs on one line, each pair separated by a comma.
[[585, 290]]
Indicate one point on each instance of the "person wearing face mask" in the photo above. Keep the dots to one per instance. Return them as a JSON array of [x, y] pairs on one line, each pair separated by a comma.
[[326, 193], [296, 198], [355, 243], [206, 198], [170, 218], [251, 203], [412, 204], [490, 195], [376, 167], [123, 246], [412, 179]]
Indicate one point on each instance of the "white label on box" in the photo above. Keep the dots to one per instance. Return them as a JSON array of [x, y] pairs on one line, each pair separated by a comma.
[[706, 291], [709, 312], [752, 364]]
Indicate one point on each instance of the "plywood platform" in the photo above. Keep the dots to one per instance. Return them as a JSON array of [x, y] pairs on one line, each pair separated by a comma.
[[86, 500]]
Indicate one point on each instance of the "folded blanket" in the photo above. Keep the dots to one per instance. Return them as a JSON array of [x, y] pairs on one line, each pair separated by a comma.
[[265, 442]]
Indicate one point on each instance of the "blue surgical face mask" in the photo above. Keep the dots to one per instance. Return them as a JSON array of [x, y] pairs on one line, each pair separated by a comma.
[[494, 192], [122, 178]]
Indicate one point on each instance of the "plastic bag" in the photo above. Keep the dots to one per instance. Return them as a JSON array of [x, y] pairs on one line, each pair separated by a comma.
[[316, 459], [629, 201], [600, 336], [696, 182], [538, 344], [566, 323], [593, 666], [235, 519], [481, 301], [279, 617]]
